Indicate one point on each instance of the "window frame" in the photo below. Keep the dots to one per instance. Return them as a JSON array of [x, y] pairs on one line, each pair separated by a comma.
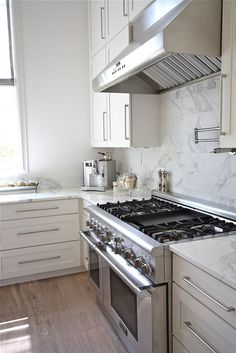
[[17, 80]]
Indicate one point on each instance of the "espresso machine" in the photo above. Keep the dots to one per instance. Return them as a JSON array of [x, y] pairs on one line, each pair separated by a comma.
[[98, 175]]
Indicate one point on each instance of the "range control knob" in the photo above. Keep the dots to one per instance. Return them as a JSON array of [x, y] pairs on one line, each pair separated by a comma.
[[117, 239], [103, 237], [90, 222], [108, 234], [138, 262], [146, 268], [117, 249], [129, 254]]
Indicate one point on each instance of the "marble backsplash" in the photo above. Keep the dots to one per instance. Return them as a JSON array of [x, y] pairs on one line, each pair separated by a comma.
[[193, 170]]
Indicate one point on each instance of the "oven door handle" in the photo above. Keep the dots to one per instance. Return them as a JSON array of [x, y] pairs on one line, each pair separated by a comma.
[[84, 236], [138, 291]]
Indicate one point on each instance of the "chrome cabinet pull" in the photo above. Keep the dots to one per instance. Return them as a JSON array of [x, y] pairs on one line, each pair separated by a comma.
[[187, 279], [39, 231], [38, 260], [104, 114], [222, 133], [38, 209], [125, 13], [127, 137], [188, 325], [102, 11]]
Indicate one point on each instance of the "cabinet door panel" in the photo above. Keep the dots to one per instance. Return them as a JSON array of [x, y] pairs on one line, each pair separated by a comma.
[[40, 259], [117, 19], [100, 124], [97, 25], [119, 120], [136, 6], [228, 109], [199, 329], [99, 115], [177, 347], [118, 44]]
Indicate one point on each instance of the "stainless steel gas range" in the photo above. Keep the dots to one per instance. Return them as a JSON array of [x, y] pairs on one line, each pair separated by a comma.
[[130, 262]]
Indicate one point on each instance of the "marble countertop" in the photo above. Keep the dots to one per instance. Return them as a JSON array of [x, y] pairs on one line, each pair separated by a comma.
[[217, 256], [93, 197]]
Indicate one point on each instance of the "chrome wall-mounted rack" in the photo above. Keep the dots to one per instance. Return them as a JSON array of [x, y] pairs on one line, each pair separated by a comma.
[[203, 130]]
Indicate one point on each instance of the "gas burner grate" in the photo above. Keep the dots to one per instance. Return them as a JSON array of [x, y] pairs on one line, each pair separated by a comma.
[[133, 208], [188, 229], [165, 221]]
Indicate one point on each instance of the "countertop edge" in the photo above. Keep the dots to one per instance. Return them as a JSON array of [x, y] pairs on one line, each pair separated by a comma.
[[226, 280]]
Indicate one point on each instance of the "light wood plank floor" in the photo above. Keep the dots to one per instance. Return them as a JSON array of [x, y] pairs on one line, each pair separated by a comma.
[[56, 315]]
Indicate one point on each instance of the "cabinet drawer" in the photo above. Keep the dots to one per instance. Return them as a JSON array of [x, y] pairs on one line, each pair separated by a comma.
[[38, 231], [177, 347], [213, 293], [21, 262], [198, 328], [38, 209]]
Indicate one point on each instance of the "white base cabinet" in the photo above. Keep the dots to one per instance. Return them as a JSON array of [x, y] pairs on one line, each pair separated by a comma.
[[38, 238], [39, 259], [204, 311], [198, 328]]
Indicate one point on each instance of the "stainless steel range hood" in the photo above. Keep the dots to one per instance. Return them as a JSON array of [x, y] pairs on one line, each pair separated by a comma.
[[174, 42]]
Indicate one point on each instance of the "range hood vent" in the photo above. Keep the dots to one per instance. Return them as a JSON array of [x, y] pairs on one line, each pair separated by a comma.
[[175, 42]]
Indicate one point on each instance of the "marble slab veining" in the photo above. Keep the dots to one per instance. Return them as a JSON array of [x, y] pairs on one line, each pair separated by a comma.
[[193, 169]]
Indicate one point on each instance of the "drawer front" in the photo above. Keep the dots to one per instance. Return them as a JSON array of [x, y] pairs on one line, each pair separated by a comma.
[[213, 293], [198, 328], [27, 261], [38, 209], [177, 347], [38, 231]]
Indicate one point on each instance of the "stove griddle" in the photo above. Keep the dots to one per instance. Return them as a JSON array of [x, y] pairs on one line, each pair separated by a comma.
[[162, 218]]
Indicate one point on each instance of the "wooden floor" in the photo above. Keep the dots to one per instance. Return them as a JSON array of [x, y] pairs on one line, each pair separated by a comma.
[[56, 315]]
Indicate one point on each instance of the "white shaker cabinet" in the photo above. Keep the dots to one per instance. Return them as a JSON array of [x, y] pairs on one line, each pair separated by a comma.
[[137, 6], [97, 14], [228, 87], [99, 104], [39, 239], [204, 315], [117, 17], [121, 119]]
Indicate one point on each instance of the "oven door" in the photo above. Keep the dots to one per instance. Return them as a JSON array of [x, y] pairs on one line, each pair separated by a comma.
[[129, 309], [135, 306]]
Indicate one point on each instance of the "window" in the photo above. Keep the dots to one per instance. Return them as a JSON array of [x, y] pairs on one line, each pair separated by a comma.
[[11, 137]]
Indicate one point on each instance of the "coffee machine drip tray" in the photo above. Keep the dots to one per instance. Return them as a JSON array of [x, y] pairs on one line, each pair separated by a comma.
[[94, 188]]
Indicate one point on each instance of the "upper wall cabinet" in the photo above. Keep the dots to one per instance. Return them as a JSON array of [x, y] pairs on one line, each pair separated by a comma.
[[136, 6], [117, 17], [97, 25], [109, 17], [228, 86]]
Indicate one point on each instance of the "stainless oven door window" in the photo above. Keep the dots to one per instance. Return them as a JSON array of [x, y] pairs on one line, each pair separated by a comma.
[[94, 267], [95, 272], [126, 309]]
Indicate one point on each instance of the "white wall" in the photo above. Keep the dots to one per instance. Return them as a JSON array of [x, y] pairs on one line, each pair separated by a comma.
[[56, 68]]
